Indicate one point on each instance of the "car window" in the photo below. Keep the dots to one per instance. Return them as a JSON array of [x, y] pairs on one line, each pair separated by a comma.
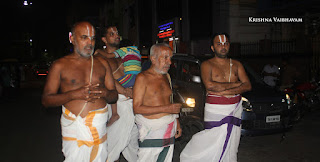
[[190, 69], [253, 76]]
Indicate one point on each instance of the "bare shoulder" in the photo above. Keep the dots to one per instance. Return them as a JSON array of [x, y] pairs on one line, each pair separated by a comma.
[[141, 76], [107, 63], [112, 62], [100, 59], [205, 63], [208, 63], [237, 63], [60, 63], [146, 76]]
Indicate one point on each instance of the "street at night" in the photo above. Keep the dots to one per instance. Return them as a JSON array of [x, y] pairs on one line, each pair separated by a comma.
[[229, 69], [32, 133]]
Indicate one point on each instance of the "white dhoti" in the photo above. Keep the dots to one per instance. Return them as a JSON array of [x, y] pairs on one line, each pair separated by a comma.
[[220, 139], [123, 133], [84, 139], [156, 138]]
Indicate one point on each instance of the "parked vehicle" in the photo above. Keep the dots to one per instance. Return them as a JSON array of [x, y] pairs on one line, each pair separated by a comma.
[[307, 92], [265, 110], [190, 92], [10, 74], [41, 70], [306, 96], [9, 78]]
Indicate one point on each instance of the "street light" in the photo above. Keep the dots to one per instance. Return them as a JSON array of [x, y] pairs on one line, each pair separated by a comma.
[[25, 3]]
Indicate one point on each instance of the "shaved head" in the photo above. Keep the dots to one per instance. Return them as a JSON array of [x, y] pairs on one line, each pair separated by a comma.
[[83, 38], [80, 24], [154, 50]]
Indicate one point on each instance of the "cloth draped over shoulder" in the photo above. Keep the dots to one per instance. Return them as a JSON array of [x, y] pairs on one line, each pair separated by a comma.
[[220, 139], [127, 80], [156, 138], [84, 139], [123, 133], [131, 59]]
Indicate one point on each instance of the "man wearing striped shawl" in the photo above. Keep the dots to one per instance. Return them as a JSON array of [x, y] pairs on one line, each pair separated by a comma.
[[122, 130]]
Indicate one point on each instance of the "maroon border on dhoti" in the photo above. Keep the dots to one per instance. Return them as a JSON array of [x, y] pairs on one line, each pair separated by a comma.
[[213, 99]]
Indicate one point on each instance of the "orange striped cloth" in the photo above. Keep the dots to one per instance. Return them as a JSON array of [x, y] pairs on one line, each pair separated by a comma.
[[84, 139]]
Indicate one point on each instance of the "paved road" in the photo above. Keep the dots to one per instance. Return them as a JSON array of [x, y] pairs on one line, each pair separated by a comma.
[[31, 133], [300, 145]]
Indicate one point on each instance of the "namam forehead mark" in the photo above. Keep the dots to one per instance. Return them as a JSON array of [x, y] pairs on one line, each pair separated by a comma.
[[222, 39], [90, 31], [86, 29], [113, 30]]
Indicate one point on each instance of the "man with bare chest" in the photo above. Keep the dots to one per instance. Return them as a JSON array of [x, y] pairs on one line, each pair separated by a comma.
[[224, 79], [83, 85], [122, 131], [156, 116], [111, 39]]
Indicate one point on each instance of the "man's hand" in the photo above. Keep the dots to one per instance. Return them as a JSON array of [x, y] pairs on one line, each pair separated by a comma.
[[216, 93], [128, 92], [225, 92], [87, 92], [175, 108], [97, 92]]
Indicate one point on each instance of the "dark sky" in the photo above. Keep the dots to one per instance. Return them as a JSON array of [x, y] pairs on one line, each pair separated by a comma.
[[44, 20], [40, 16], [49, 23]]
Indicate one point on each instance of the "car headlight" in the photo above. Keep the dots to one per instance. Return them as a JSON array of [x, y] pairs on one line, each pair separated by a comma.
[[191, 102], [244, 99], [246, 104], [288, 98]]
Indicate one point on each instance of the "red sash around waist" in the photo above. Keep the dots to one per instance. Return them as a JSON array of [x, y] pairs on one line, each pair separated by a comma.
[[214, 99]]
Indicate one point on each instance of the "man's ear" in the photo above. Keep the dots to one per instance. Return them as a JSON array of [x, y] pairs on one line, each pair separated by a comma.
[[71, 39], [212, 48], [104, 39], [152, 58]]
